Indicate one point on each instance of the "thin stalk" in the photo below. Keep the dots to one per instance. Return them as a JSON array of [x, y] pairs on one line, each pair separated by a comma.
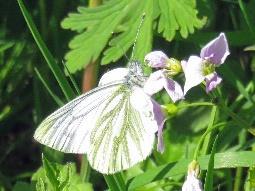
[[43, 19], [209, 128], [238, 179], [72, 80], [209, 174], [85, 169], [239, 170], [37, 102], [195, 104]]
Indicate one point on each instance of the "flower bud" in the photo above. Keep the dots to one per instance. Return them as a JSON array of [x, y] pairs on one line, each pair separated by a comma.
[[192, 183], [156, 59]]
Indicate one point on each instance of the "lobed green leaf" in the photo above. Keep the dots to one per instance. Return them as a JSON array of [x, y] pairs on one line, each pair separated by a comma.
[[96, 25]]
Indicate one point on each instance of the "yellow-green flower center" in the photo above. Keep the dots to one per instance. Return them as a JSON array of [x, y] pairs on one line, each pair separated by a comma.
[[208, 67], [173, 66]]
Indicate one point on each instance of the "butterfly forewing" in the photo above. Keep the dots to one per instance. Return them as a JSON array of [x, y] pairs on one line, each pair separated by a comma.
[[67, 129]]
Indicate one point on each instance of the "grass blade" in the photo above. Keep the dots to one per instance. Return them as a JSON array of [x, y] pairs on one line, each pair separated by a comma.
[[59, 75]]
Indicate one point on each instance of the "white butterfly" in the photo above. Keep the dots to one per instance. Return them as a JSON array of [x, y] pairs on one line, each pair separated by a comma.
[[114, 124]]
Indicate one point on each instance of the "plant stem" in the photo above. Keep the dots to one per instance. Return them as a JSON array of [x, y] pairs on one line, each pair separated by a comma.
[[43, 19], [195, 104], [238, 179], [85, 169], [239, 170], [209, 128]]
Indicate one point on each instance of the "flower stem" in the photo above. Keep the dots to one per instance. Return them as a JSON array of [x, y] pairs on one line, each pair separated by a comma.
[[195, 104], [239, 171], [85, 169], [209, 129]]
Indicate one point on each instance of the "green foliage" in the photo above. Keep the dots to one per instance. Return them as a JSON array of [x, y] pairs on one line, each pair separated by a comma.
[[173, 170], [178, 16], [56, 177], [95, 27]]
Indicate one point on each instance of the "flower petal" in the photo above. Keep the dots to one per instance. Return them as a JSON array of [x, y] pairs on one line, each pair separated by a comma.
[[212, 80], [173, 89], [157, 80], [216, 51], [154, 83], [156, 59], [160, 118], [193, 72], [192, 184]]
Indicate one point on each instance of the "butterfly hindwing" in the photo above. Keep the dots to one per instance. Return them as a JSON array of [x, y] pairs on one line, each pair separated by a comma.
[[124, 135]]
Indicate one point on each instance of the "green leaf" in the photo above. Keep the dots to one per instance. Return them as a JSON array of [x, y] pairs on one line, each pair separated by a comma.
[[250, 48], [87, 46], [70, 180], [178, 15], [111, 182], [121, 44], [51, 172], [250, 182], [115, 181], [171, 170], [96, 25], [5, 45], [59, 75], [58, 177], [40, 185]]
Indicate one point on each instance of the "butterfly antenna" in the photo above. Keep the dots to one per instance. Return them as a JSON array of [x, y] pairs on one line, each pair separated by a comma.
[[138, 31], [72, 79]]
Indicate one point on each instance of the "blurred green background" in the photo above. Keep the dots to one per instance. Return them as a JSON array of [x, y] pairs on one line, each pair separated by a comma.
[[98, 38]]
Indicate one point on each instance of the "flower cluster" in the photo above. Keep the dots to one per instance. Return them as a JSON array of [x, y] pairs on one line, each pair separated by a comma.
[[197, 69]]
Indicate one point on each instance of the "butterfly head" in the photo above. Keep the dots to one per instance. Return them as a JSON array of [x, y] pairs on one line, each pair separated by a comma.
[[136, 75], [135, 68]]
